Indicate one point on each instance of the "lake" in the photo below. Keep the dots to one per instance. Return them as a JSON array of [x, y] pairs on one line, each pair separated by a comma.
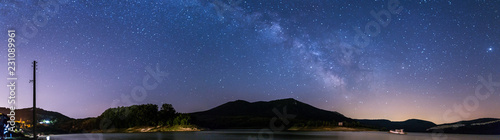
[[268, 135]]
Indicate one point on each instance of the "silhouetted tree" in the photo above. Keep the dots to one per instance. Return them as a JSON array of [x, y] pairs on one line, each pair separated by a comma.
[[136, 115], [166, 114]]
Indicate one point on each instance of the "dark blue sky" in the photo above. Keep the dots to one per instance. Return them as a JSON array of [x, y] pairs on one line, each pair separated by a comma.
[[424, 61]]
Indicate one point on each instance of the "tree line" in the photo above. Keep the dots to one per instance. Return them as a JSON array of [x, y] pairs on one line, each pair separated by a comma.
[[144, 115]]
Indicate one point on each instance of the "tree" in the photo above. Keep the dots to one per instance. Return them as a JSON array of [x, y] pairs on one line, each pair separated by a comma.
[[166, 114], [167, 109], [182, 119]]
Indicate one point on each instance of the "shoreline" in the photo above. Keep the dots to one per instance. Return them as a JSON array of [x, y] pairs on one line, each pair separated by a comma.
[[194, 129], [150, 129], [349, 129]]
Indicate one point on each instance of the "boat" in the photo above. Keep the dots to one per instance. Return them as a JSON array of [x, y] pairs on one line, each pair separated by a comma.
[[397, 131]]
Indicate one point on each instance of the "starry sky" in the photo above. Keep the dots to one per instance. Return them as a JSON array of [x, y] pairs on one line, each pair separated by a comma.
[[421, 61]]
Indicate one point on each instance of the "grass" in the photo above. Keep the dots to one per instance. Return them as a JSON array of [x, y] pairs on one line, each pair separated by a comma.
[[177, 128]]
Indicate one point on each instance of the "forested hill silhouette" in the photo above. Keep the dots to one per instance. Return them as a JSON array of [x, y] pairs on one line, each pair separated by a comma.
[[489, 126], [286, 114], [26, 114], [243, 114], [411, 125]]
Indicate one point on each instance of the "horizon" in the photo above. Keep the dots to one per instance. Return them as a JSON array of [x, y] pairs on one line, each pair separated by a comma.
[[436, 60], [270, 101]]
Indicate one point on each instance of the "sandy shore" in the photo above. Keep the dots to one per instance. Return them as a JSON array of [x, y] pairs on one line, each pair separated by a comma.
[[146, 129]]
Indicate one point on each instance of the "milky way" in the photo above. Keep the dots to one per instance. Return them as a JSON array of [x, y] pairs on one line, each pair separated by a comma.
[[421, 59]]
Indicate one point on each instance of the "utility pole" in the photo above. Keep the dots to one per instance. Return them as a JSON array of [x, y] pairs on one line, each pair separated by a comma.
[[34, 100]]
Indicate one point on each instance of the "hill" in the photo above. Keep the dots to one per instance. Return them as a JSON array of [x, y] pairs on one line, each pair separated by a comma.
[[286, 114], [55, 120], [243, 114], [26, 114], [477, 126], [412, 125]]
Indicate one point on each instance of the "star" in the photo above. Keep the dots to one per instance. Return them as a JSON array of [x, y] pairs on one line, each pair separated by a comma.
[[490, 49]]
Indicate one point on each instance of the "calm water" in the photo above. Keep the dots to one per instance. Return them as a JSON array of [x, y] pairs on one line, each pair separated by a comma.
[[249, 134]]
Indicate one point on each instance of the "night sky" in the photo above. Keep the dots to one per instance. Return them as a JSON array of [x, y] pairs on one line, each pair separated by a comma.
[[422, 62]]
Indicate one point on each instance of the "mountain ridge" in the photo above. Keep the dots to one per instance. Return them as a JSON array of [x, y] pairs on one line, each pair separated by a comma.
[[410, 125], [490, 126], [260, 112]]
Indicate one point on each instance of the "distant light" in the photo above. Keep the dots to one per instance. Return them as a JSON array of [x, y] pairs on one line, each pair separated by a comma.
[[45, 122]]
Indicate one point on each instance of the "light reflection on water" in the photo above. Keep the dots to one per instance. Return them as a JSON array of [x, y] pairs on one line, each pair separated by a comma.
[[248, 134]]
